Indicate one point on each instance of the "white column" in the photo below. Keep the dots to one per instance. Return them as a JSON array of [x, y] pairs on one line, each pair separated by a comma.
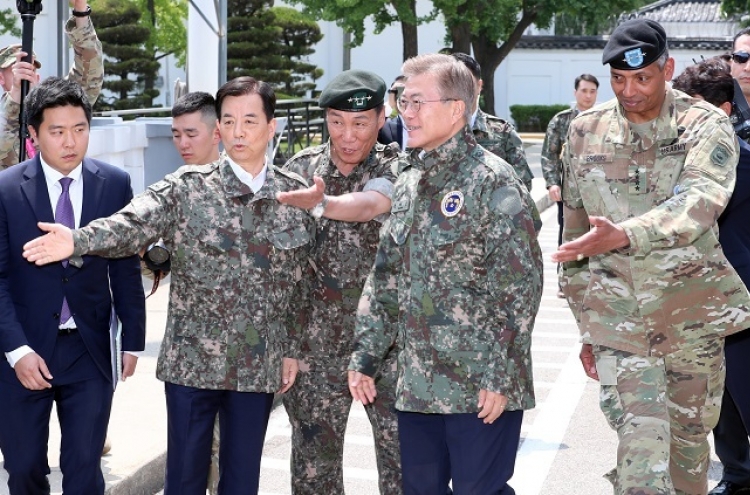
[[203, 47]]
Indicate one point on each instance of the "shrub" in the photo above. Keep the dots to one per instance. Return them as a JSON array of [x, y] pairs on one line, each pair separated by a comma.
[[534, 118]]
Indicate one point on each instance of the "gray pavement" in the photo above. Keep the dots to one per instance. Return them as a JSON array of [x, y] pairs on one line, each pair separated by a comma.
[[566, 445]]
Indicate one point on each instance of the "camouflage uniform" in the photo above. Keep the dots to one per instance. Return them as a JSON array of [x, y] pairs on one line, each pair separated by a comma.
[[458, 292], [319, 403], [87, 70], [656, 311], [499, 137], [238, 261], [557, 130]]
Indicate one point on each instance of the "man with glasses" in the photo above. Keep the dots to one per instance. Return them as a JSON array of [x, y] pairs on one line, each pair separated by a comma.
[[740, 110], [394, 129], [456, 285], [730, 434], [357, 175]]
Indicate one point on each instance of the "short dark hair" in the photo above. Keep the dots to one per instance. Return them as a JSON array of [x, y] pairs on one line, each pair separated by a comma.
[[247, 85], [742, 32], [470, 62], [51, 93], [586, 77], [197, 101], [710, 79], [399, 78]]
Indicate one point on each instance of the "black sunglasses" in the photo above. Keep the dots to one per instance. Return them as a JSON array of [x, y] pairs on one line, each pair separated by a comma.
[[393, 91], [741, 57]]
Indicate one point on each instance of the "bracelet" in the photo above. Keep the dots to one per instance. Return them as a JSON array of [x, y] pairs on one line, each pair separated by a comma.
[[85, 13]]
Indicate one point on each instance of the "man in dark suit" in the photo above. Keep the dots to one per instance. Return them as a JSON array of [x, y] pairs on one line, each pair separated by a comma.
[[394, 130], [711, 80], [55, 320]]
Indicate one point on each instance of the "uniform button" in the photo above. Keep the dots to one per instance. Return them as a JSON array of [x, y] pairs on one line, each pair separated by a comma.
[[65, 280], [56, 316]]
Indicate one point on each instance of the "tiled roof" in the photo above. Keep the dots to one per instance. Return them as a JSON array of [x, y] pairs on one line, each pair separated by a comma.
[[598, 42], [681, 11]]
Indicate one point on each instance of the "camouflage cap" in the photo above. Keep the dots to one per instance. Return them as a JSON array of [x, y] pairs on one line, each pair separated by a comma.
[[635, 44], [353, 91], [8, 56]]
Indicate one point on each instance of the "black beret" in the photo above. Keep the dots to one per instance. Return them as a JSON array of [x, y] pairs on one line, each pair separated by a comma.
[[635, 44], [353, 91]]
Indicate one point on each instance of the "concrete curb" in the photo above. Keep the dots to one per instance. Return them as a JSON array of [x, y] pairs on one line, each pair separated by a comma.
[[146, 480]]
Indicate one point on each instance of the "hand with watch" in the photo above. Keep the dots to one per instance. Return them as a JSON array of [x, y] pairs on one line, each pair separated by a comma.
[[319, 209], [80, 8]]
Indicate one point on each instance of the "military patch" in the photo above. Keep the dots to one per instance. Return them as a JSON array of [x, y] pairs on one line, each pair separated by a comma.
[[634, 58], [720, 155], [359, 100], [452, 203], [672, 149], [400, 205]]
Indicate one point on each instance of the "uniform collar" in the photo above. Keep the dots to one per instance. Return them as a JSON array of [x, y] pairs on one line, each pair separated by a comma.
[[454, 150], [234, 187], [664, 126]]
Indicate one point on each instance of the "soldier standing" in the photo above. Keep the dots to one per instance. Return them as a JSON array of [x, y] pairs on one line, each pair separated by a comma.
[[493, 133], [238, 265], [647, 175], [456, 284], [357, 175]]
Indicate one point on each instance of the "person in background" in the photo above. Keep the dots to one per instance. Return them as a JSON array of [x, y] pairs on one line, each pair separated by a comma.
[[710, 80], [87, 70], [493, 133], [394, 129], [585, 90]]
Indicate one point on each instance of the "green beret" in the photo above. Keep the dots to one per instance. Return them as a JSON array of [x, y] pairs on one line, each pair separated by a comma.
[[635, 44], [353, 91]]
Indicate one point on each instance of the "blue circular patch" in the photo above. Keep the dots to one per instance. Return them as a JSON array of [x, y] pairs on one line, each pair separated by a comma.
[[452, 203]]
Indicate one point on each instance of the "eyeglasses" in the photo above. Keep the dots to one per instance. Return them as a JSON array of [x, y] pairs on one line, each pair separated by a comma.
[[740, 57], [393, 91], [404, 104]]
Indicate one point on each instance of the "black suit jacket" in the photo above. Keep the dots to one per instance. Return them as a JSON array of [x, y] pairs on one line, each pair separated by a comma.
[[31, 296], [392, 131], [734, 234]]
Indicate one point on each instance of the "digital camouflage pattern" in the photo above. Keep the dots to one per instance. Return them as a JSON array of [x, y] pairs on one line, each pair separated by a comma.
[[667, 298], [238, 272], [673, 285], [456, 283], [557, 131], [641, 404], [499, 137], [319, 403], [87, 70]]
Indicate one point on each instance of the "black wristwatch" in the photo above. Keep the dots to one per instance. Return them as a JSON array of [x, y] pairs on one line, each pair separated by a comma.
[[85, 13]]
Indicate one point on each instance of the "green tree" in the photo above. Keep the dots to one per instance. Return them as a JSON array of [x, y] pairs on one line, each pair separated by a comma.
[[738, 9], [127, 62], [350, 15], [271, 44], [9, 19]]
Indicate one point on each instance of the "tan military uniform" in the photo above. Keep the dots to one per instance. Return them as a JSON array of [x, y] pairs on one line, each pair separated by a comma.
[[87, 70], [657, 310]]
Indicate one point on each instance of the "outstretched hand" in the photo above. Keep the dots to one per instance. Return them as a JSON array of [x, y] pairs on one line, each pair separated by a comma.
[[603, 237], [55, 245], [362, 387], [306, 199]]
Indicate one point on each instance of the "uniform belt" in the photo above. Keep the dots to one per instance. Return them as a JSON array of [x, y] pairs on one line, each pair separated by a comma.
[[61, 332]]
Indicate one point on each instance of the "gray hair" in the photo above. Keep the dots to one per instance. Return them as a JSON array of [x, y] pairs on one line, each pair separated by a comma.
[[454, 80]]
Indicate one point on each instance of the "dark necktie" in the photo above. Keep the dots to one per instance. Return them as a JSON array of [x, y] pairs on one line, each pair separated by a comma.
[[64, 215]]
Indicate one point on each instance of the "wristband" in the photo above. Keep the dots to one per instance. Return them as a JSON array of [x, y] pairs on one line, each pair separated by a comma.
[[85, 13]]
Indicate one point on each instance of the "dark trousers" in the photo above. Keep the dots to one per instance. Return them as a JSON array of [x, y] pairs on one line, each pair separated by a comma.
[[83, 408], [731, 433], [559, 222], [191, 412], [438, 448]]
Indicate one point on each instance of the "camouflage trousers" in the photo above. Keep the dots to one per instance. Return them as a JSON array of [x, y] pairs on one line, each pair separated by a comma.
[[318, 406], [663, 409]]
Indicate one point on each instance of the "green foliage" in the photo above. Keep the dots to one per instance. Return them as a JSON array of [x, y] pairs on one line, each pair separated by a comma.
[[128, 64], [271, 44], [737, 8], [9, 19], [169, 35], [534, 118]]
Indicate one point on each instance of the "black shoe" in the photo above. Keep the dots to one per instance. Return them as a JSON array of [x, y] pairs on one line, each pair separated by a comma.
[[728, 488]]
